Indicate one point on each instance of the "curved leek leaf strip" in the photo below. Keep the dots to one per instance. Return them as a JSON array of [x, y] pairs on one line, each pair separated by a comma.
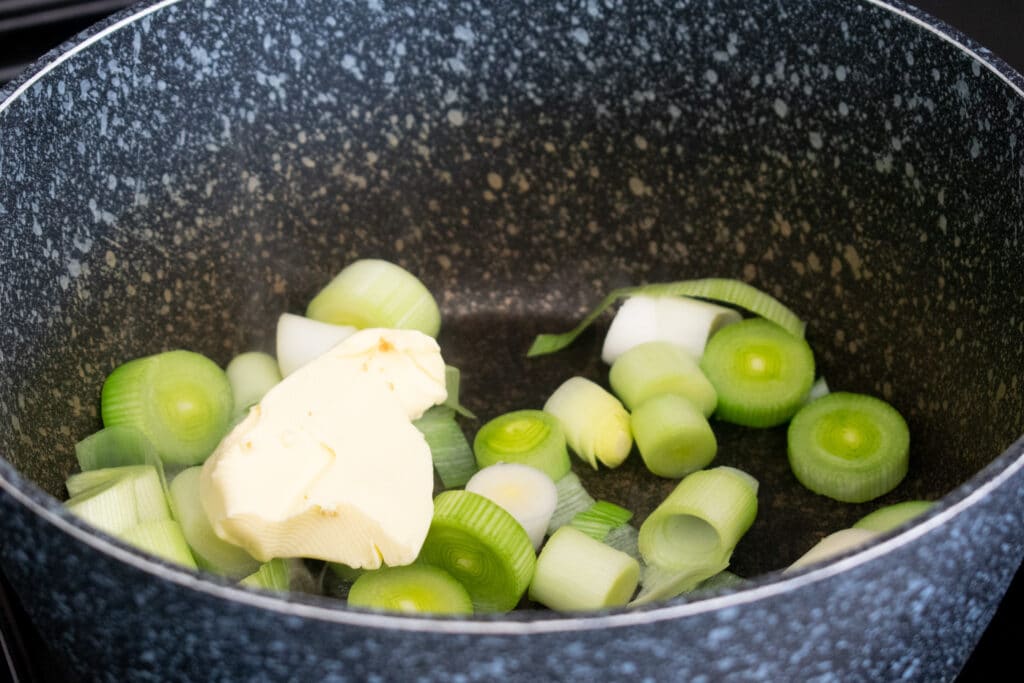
[[725, 290]]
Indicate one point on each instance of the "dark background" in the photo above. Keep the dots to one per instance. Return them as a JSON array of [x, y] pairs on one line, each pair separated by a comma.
[[29, 28]]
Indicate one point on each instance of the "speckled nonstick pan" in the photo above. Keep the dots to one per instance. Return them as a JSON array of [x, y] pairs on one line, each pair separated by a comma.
[[181, 175]]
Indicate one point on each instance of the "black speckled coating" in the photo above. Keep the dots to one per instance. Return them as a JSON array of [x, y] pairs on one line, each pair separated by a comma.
[[183, 179]]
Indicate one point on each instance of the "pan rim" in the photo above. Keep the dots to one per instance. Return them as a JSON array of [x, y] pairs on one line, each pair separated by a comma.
[[954, 503]]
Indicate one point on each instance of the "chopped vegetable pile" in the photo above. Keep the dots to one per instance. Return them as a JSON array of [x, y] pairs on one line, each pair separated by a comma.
[[328, 450]]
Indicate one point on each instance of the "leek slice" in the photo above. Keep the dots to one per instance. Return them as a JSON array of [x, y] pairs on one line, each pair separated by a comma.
[[701, 521], [682, 322], [211, 552], [376, 293], [180, 400], [723, 579], [625, 538], [655, 368], [529, 437], [572, 499], [849, 447], [832, 545], [129, 496], [452, 457], [525, 492], [415, 588], [599, 519], [733, 292], [301, 340], [673, 436], [476, 541], [575, 572], [115, 447], [452, 380], [251, 375], [163, 538], [658, 583], [272, 576], [761, 372], [595, 424], [891, 516]]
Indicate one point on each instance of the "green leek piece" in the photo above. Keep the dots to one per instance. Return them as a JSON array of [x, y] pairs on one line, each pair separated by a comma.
[[762, 373], [130, 496], [115, 447], [529, 437], [80, 482], [415, 588], [572, 499], [524, 492], [376, 293], [180, 400], [727, 291], [212, 553], [701, 521], [452, 380], [453, 458], [625, 538], [600, 518], [482, 546], [595, 424], [658, 583], [891, 516], [251, 375], [659, 367], [163, 538], [834, 544], [723, 579], [673, 436], [849, 447], [576, 572], [271, 576]]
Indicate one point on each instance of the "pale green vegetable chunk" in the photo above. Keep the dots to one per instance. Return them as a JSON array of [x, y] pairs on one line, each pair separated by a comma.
[[576, 572]]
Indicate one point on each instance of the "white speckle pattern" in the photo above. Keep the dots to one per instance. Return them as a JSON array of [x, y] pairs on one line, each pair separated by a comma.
[[212, 165]]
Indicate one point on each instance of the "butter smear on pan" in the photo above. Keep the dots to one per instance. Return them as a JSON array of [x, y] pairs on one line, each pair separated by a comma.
[[328, 464]]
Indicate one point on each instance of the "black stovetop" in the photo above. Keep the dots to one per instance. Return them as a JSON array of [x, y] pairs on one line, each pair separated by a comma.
[[29, 28]]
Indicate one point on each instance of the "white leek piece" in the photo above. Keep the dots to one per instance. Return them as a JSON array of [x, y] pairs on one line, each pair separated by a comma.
[[523, 491], [300, 340], [377, 293], [251, 375], [832, 545], [576, 572], [595, 424], [685, 322]]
